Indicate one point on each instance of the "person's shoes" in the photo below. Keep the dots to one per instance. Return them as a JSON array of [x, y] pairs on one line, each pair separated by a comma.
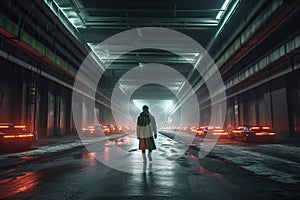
[[150, 156]]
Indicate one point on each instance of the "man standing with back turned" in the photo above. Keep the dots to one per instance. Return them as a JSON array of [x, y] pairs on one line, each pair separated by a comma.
[[146, 129]]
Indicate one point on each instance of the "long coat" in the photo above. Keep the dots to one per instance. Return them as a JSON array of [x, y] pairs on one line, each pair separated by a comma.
[[146, 129]]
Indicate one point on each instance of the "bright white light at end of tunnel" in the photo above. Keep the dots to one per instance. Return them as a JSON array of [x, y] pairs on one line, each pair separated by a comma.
[[165, 104], [160, 109]]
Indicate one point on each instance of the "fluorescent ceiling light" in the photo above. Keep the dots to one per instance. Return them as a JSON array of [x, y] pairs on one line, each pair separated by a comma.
[[72, 16], [138, 103], [230, 13], [75, 21], [198, 61], [165, 104], [223, 9], [121, 88]]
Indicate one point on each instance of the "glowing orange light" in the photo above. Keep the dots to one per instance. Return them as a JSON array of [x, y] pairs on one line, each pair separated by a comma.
[[255, 127], [219, 133], [259, 133], [264, 134], [4, 126], [18, 136], [19, 126], [91, 129], [236, 131], [266, 128]]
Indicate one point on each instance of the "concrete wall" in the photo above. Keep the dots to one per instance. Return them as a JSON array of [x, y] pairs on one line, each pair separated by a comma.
[[48, 111]]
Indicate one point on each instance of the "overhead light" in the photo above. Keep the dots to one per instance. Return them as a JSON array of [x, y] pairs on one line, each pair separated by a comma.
[[138, 103], [76, 22], [191, 60], [228, 16], [165, 104], [181, 86], [122, 88], [223, 9], [198, 61]]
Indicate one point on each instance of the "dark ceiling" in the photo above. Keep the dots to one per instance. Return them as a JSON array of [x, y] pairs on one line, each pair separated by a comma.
[[98, 20], [207, 22]]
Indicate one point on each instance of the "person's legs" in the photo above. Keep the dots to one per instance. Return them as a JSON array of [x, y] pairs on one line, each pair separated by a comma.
[[144, 155], [149, 155]]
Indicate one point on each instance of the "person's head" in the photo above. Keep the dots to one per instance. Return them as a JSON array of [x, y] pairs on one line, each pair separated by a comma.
[[145, 108]]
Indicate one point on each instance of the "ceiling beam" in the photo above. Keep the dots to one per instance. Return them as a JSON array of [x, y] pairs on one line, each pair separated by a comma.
[[104, 10], [182, 68], [200, 21]]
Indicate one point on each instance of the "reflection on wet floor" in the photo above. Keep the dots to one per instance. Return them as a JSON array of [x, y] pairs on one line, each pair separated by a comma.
[[88, 155], [90, 161], [123, 154], [19, 183], [198, 168]]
